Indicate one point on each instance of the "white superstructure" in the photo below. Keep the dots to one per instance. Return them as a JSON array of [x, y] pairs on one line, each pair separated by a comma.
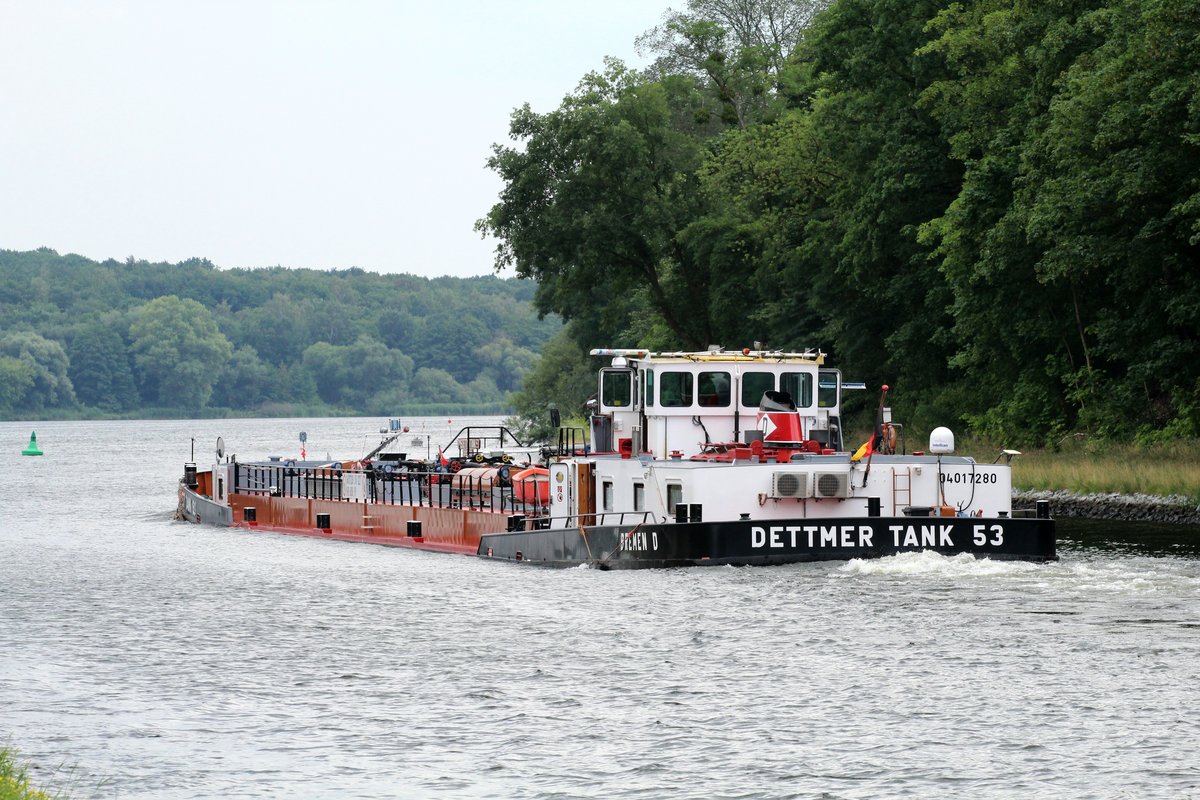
[[691, 433]]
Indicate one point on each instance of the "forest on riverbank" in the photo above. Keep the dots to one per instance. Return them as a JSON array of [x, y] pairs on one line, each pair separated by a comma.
[[993, 207], [88, 339]]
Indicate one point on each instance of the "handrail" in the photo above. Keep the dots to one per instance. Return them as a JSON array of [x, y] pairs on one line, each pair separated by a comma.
[[433, 488], [590, 520], [501, 432]]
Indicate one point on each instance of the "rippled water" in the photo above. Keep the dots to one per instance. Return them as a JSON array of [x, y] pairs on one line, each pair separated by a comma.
[[143, 658]]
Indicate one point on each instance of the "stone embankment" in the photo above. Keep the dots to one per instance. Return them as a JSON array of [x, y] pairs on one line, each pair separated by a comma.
[[1134, 507]]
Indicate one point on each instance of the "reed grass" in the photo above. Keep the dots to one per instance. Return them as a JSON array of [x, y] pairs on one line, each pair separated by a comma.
[[1092, 467], [14, 779]]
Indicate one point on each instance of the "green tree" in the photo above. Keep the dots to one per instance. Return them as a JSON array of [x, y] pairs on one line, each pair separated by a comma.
[[431, 385], [47, 364], [563, 378], [350, 374], [16, 380], [739, 47], [1070, 248], [884, 301], [178, 352], [593, 198], [395, 328], [100, 371], [246, 380]]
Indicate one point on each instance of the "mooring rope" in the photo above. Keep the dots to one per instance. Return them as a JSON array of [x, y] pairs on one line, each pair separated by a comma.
[[587, 544], [620, 546]]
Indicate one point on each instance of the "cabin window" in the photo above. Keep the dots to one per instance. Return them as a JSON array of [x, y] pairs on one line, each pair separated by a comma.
[[606, 491], [639, 497], [675, 389], [674, 496], [713, 389], [649, 393], [827, 390], [616, 388], [754, 384], [799, 385]]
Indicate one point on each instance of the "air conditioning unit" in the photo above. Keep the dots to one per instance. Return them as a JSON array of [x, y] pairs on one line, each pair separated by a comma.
[[831, 484], [790, 484]]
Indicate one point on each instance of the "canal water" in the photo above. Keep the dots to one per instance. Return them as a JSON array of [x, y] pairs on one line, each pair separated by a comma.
[[145, 658]]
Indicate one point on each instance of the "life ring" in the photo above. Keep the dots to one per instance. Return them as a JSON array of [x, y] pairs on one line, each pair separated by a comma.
[[888, 445]]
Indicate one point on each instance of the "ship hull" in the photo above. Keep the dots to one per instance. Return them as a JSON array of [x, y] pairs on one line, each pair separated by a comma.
[[751, 543], [646, 546]]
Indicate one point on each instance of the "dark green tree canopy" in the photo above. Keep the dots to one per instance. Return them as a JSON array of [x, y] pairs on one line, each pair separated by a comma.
[[132, 340], [993, 207]]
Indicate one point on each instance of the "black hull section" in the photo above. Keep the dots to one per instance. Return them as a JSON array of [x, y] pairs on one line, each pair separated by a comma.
[[201, 510], [763, 543]]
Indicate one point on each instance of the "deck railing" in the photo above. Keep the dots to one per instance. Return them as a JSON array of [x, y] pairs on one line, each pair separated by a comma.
[[485, 491]]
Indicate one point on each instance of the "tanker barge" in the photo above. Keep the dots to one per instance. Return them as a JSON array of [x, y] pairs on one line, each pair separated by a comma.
[[692, 459]]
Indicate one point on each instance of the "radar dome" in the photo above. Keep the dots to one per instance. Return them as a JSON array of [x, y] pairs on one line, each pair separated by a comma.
[[941, 440]]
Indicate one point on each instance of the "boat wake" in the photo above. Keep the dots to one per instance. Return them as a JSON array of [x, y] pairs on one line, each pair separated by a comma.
[[927, 562]]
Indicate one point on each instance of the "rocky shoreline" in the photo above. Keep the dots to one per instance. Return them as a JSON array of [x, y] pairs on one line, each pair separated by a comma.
[[1133, 507]]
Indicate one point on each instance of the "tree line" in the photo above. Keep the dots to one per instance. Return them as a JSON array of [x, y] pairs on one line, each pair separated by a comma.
[[992, 206], [86, 338]]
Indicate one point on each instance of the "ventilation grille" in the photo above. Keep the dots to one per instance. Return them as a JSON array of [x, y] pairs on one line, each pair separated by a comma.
[[790, 484], [832, 484]]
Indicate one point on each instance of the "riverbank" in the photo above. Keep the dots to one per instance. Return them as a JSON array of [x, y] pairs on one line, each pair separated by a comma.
[[1092, 467], [1175, 509]]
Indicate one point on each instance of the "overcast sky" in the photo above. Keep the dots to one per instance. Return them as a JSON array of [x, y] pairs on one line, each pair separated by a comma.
[[303, 134]]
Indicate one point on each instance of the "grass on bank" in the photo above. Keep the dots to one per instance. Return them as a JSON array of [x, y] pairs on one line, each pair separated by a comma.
[[14, 779], [1091, 467]]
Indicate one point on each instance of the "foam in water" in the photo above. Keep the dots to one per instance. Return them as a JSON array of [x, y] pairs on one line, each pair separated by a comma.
[[928, 562]]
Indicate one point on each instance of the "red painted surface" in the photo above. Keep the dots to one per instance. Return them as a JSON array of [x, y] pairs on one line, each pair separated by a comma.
[[449, 530]]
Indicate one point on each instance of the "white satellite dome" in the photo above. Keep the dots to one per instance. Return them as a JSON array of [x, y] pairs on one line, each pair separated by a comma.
[[941, 440]]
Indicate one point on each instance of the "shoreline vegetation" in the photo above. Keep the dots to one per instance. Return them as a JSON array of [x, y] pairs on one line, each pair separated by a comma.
[[1105, 480], [269, 411], [14, 778]]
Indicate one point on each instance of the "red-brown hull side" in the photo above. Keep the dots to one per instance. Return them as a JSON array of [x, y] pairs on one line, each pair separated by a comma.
[[447, 530]]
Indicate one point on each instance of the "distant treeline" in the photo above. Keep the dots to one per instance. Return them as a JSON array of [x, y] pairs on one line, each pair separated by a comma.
[[992, 206], [82, 338]]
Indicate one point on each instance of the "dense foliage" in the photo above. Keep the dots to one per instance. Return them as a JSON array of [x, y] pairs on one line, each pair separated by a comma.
[[81, 338], [992, 206]]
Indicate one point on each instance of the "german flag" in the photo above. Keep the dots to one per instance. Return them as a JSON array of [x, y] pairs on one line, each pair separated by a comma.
[[868, 447]]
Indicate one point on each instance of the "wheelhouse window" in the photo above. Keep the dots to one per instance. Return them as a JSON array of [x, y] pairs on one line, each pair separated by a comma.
[[606, 493], [714, 389], [616, 388], [639, 497], [675, 389], [827, 390], [649, 393], [799, 385], [754, 384]]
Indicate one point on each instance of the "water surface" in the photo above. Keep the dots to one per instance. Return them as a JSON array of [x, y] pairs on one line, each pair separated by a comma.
[[144, 658]]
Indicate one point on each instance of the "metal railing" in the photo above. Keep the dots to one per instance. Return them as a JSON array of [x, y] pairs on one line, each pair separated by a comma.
[[487, 491]]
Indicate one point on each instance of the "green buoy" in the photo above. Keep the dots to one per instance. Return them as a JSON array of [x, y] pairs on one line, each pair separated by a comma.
[[32, 449]]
